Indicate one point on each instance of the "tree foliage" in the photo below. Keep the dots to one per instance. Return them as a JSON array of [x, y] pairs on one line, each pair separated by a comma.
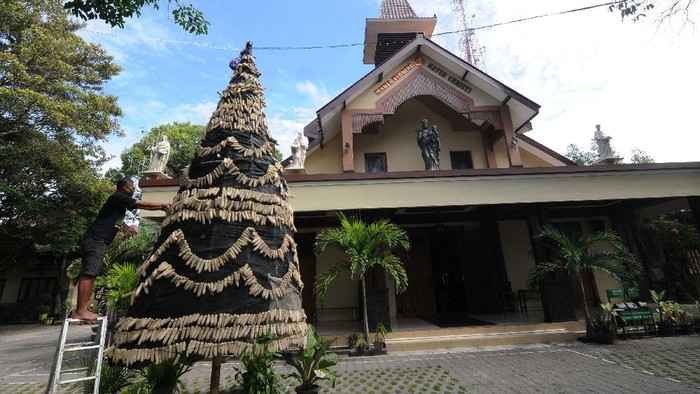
[[667, 10], [641, 157], [52, 114], [183, 138], [580, 156], [115, 12]]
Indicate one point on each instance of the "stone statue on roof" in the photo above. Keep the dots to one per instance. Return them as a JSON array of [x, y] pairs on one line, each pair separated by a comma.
[[602, 143], [299, 147]]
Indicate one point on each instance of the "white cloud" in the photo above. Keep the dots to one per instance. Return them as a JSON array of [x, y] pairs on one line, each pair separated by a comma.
[[318, 95], [193, 113], [284, 129], [587, 68]]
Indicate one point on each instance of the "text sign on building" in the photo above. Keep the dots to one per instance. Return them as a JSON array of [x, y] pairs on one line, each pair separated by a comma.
[[451, 79], [418, 62]]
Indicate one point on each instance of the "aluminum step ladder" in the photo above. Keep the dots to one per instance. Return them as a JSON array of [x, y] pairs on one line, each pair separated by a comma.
[[97, 343]]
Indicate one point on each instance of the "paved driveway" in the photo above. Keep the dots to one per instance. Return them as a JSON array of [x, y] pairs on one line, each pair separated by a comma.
[[648, 365]]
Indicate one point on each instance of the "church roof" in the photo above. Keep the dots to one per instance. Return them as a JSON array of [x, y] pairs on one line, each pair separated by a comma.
[[396, 9], [328, 117]]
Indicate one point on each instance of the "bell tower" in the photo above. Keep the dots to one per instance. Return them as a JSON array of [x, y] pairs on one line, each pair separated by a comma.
[[396, 26]]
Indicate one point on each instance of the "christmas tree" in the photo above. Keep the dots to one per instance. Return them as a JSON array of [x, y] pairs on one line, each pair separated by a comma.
[[225, 268]]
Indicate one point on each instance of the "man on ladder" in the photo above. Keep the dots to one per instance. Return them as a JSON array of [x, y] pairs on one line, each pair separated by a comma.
[[100, 234], [92, 249]]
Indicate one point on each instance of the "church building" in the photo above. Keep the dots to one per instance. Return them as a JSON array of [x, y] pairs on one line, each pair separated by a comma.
[[440, 148]]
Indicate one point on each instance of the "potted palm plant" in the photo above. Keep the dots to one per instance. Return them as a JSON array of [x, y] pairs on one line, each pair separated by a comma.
[[685, 321], [367, 246], [576, 256], [312, 362], [668, 314], [605, 327], [352, 339], [379, 337]]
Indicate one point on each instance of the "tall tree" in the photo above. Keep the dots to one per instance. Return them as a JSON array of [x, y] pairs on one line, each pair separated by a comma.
[[53, 113], [115, 12], [367, 246], [183, 138]]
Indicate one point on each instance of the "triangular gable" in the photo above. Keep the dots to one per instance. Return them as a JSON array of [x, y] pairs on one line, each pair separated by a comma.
[[452, 70]]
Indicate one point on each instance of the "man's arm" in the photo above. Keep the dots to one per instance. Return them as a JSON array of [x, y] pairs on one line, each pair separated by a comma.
[[152, 206]]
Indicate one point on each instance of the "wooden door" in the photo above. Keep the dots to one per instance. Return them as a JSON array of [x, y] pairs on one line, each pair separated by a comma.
[[480, 272], [419, 298]]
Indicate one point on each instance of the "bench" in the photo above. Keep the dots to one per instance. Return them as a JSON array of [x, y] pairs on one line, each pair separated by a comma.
[[632, 316]]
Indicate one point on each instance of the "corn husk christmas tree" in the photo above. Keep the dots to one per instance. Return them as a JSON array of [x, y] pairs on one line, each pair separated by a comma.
[[225, 268]]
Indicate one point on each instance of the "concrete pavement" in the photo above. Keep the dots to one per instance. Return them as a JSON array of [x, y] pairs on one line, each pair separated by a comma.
[[646, 365]]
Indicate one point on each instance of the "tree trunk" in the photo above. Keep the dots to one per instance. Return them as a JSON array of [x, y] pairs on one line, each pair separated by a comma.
[[215, 374], [589, 332], [62, 291], [364, 309]]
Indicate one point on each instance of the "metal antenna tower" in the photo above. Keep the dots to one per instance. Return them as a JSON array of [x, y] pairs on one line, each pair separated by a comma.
[[468, 43]]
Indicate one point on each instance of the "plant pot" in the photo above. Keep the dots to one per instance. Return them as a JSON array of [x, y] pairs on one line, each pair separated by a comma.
[[686, 329], [300, 390], [606, 338], [378, 346], [667, 330]]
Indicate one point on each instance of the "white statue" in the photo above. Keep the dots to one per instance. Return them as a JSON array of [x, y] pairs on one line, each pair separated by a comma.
[[299, 147], [160, 153], [603, 143]]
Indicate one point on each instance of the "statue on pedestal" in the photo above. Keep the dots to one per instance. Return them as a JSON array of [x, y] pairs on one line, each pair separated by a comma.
[[299, 147], [160, 153], [603, 143], [429, 143]]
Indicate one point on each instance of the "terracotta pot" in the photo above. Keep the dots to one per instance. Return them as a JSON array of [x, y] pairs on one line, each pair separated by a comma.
[[378, 346], [300, 390]]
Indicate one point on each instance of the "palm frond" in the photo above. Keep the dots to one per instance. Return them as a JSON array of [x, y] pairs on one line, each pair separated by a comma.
[[395, 268]]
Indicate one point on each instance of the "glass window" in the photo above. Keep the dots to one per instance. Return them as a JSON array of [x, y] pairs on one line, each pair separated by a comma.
[[33, 288], [375, 162], [461, 159]]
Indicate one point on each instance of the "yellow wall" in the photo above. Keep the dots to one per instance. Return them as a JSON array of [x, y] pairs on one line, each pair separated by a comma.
[[343, 292], [516, 252], [397, 138], [326, 160], [530, 160]]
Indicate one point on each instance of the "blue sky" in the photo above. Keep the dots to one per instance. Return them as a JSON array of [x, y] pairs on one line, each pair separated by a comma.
[[586, 68]]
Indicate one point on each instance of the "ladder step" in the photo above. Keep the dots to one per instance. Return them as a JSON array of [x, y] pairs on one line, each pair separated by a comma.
[[79, 348], [79, 344], [85, 322], [75, 370], [77, 380]]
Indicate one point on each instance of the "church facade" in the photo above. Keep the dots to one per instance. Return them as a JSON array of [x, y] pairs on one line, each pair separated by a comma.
[[471, 203]]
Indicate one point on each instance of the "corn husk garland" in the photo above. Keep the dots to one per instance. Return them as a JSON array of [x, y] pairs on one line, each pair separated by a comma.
[[225, 268]]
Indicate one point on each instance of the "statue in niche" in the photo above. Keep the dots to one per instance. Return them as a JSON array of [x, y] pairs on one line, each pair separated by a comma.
[[299, 147], [160, 153], [603, 143], [429, 143]]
